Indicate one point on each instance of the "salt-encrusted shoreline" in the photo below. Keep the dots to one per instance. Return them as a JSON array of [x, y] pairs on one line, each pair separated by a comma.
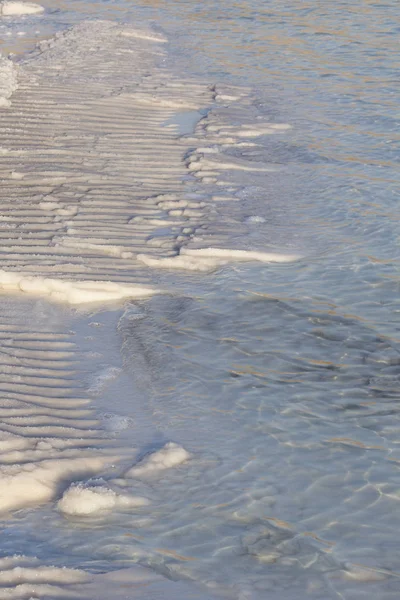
[[99, 190], [8, 81], [97, 183]]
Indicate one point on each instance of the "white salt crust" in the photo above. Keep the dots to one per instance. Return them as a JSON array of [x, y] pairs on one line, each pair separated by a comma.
[[8, 81], [11, 8], [171, 455], [84, 500], [71, 292], [26, 578], [33, 484], [209, 259]]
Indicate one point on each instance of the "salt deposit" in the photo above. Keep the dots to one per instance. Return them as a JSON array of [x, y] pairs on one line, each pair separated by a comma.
[[171, 455], [24, 577], [108, 167], [71, 292], [13, 8], [255, 219], [35, 483], [96, 246], [8, 81], [83, 500], [239, 255], [209, 259], [48, 432]]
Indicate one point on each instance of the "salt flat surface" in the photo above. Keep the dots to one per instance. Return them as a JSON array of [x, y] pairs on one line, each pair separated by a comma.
[[99, 169], [99, 191], [236, 431]]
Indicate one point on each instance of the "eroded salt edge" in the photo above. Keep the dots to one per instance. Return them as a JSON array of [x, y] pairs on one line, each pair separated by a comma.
[[71, 292], [209, 259], [85, 292], [8, 81]]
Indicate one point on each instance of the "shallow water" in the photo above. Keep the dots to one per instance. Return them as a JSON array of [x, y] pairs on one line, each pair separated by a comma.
[[281, 381]]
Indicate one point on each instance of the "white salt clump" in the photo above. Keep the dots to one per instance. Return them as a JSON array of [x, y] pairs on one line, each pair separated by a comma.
[[87, 500], [171, 455], [8, 81], [40, 574], [255, 219], [36, 484], [71, 292], [260, 129], [13, 8]]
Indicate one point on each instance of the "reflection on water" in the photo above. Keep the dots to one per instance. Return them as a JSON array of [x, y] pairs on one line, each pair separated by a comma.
[[283, 382]]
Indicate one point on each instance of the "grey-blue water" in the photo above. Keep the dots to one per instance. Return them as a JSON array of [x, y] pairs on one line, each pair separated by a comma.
[[285, 380]]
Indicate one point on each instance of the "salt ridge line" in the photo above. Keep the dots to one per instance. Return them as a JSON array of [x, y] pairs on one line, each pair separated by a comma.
[[72, 292], [23, 577], [208, 259]]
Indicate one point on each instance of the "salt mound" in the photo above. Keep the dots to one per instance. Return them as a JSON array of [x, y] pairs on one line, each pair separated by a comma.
[[36, 484], [71, 292], [8, 81], [239, 255], [171, 455], [11, 8], [209, 259], [85, 500]]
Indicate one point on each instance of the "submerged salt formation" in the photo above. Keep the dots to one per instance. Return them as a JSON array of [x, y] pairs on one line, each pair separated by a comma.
[[23, 577]]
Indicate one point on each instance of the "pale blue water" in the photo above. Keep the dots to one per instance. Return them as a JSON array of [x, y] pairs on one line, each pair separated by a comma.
[[285, 380]]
